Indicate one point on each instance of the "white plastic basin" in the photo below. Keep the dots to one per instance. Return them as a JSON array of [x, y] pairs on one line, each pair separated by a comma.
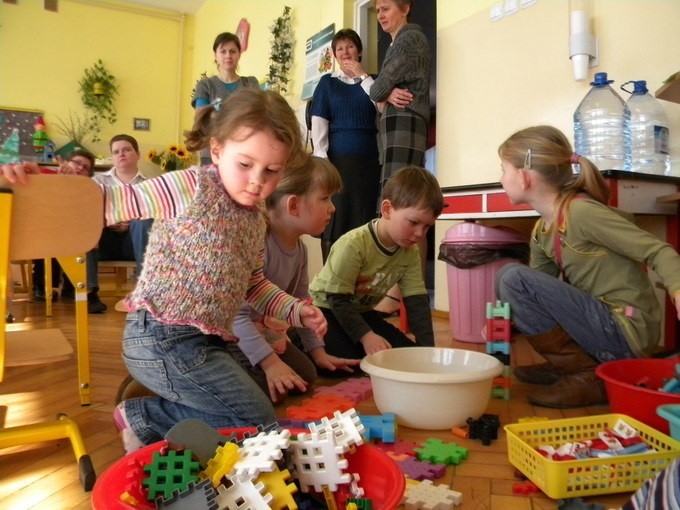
[[431, 388]]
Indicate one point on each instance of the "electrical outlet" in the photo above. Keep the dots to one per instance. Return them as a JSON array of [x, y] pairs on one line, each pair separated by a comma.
[[496, 11], [510, 7]]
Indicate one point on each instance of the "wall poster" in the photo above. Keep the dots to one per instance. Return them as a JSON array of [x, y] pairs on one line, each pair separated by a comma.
[[318, 59]]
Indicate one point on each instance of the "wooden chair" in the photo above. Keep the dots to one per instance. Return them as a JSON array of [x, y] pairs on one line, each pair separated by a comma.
[[52, 216], [121, 270]]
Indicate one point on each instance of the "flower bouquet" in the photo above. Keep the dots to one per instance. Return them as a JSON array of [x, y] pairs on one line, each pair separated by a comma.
[[175, 157]]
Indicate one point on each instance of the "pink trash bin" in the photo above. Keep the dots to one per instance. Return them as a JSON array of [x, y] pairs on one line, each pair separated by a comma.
[[470, 289]]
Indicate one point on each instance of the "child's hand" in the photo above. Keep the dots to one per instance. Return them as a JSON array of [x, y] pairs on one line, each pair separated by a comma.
[[324, 360], [374, 343], [280, 377], [312, 318], [17, 173]]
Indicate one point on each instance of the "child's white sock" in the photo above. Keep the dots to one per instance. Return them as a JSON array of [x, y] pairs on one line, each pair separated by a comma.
[[131, 442]]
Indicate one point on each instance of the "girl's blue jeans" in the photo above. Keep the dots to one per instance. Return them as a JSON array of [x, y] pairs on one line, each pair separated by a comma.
[[539, 302], [194, 376]]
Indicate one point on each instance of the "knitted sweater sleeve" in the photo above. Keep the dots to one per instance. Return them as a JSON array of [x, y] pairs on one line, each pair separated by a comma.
[[202, 92], [270, 300], [309, 339], [163, 197], [407, 58]]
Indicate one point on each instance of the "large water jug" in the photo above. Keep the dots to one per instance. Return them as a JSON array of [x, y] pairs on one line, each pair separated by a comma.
[[648, 132], [601, 126]]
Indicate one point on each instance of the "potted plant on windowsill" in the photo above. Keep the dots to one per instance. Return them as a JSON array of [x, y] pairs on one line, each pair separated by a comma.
[[98, 90], [75, 128]]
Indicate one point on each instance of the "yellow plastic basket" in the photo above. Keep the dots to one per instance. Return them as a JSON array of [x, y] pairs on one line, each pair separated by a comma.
[[576, 478]]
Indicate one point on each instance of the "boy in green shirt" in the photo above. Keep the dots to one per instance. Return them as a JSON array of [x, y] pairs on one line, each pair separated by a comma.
[[367, 261]]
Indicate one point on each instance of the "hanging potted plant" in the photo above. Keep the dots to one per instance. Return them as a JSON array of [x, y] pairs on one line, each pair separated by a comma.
[[281, 57], [98, 89]]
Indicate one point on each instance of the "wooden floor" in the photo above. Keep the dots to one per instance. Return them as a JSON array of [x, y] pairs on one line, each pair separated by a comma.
[[45, 476]]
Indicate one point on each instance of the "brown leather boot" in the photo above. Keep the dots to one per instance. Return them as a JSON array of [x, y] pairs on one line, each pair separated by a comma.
[[541, 373], [578, 385]]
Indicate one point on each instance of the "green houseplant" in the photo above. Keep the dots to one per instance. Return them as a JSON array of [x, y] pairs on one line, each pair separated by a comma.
[[98, 90], [74, 127], [281, 57]]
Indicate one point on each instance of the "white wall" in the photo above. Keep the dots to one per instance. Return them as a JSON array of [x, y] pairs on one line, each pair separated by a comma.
[[497, 77]]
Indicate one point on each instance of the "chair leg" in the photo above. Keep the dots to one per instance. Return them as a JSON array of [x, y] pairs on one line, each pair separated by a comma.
[[74, 267], [62, 428]]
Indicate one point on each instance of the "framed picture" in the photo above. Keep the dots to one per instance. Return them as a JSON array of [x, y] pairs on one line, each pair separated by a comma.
[[141, 124], [24, 120]]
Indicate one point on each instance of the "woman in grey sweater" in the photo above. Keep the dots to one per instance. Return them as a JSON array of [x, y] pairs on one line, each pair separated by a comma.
[[402, 94], [209, 91], [404, 117]]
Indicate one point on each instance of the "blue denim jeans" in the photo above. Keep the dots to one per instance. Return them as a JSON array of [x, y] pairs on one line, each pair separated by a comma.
[[130, 245], [539, 302], [194, 376]]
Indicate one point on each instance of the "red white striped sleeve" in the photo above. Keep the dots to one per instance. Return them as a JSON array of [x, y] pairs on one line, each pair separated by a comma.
[[163, 197]]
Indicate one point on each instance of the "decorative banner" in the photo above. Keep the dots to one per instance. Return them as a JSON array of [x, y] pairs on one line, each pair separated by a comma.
[[318, 59]]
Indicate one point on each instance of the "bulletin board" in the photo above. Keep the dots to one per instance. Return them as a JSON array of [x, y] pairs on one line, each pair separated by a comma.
[[22, 120]]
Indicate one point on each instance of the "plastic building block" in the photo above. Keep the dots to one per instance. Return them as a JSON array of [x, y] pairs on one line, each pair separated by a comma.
[[129, 499], [485, 428], [168, 473], [501, 382], [426, 496], [318, 462], [398, 456], [529, 419], [222, 463], [436, 450], [460, 432], [577, 504], [197, 436], [289, 423], [417, 470], [500, 388], [398, 447], [259, 453], [330, 499], [503, 358], [346, 427], [276, 484], [197, 496], [501, 310], [360, 503], [527, 487], [266, 429], [383, 427], [319, 406], [242, 494], [133, 474], [498, 347], [498, 392], [355, 389], [349, 491]]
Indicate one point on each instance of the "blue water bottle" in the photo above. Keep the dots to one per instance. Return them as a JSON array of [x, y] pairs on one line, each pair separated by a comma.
[[601, 126]]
